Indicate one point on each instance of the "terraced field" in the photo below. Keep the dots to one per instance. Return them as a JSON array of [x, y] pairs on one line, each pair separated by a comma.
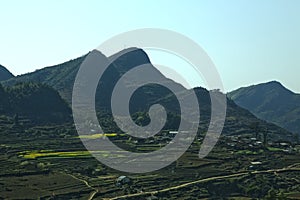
[[50, 162]]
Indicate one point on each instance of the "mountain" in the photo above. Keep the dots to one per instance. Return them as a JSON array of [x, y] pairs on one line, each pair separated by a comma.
[[5, 74], [61, 78], [37, 102], [272, 102]]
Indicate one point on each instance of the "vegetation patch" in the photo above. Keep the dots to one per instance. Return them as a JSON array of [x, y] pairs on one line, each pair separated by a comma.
[[97, 136]]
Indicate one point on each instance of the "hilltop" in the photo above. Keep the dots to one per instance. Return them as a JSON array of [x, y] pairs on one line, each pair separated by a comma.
[[272, 102]]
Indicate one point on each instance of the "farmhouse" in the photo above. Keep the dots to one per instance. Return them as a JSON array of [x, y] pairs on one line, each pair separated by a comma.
[[123, 180]]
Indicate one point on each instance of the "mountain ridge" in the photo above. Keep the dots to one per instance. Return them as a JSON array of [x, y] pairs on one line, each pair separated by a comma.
[[5, 74], [61, 77], [272, 102]]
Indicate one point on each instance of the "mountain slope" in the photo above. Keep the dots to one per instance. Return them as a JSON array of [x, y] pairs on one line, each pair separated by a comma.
[[5, 74], [61, 77], [37, 102], [272, 102]]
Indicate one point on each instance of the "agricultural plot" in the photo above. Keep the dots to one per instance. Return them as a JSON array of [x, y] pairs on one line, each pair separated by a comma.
[[40, 163]]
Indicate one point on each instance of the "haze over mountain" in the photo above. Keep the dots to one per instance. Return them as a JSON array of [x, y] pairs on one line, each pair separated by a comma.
[[5, 74], [272, 102], [61, 77]]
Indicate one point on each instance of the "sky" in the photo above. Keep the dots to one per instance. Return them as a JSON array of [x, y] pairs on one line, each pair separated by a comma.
[[249, 41]]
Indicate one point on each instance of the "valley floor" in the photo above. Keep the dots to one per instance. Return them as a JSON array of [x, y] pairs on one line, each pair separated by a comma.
[[49, 162]]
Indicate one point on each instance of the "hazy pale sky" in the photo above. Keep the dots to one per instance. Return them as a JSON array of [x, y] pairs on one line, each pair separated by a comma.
[[249, 41]]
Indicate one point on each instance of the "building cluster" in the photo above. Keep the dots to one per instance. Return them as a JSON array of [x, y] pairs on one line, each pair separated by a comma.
[[252, 143]]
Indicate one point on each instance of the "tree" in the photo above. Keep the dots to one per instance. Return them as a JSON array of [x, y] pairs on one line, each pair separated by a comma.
[[1, 89], [16, 119], [255, 127], [265, 133], [297, 139], [3, 99]]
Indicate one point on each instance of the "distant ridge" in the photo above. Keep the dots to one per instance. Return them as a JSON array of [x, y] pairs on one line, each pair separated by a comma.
[[271, 101]]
